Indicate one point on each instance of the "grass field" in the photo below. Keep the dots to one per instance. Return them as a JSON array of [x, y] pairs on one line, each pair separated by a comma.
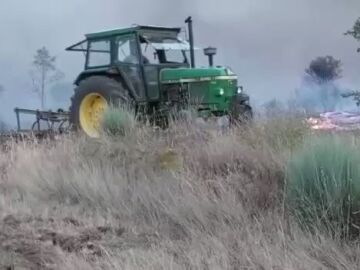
[[184, 198]]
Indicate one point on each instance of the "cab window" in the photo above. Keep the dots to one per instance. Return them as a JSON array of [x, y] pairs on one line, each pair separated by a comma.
[[99, 53], [149, 54], [127, 50]]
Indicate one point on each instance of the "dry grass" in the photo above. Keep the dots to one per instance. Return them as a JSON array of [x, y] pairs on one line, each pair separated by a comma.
[[184, 198]]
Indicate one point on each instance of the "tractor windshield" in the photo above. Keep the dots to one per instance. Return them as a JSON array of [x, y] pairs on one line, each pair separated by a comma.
[[164, 50]]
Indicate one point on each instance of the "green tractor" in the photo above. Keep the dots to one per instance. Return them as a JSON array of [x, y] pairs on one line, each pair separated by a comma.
[[148, 68]]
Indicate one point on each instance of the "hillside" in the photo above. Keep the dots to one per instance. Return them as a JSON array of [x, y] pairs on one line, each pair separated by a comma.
[[185, 198]]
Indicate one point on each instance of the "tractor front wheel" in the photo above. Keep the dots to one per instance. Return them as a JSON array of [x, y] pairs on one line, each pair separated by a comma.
[[90, 101], [240, 113]]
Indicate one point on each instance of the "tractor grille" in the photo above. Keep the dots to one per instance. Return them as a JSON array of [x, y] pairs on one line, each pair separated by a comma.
[[176, 94]]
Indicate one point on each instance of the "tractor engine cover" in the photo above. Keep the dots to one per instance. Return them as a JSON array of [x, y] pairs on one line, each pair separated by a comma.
[[208, 89]]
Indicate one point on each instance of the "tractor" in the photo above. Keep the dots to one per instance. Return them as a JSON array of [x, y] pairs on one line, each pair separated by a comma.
[[152, 69]]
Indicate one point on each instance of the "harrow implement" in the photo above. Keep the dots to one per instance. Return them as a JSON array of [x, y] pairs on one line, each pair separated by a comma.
[[45, 121]]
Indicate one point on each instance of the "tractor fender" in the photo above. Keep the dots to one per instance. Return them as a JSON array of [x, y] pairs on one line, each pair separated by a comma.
[[114, 73], [242, 98]]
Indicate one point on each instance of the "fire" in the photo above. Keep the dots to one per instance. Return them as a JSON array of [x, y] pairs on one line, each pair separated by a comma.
[[321, 124], [335, 121]]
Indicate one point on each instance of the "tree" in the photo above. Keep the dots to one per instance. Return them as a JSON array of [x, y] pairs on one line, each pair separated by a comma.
[[320, 79], [355, 31], [324, 70], [44, 72], [354, 94]]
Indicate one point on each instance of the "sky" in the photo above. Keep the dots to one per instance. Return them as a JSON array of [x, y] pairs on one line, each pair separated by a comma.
[[268, 43]]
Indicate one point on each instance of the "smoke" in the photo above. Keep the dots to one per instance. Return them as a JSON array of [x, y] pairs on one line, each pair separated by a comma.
[[315, 97], [267, 43]]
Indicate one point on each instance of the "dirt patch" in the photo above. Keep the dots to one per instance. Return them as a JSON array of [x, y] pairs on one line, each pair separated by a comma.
[[35, 244], [77, 242]]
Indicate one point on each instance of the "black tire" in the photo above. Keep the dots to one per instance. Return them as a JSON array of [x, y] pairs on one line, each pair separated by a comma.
[[240, 113], [112, 90]]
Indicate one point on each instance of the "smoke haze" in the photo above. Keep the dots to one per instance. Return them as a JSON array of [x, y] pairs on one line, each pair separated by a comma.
[[267, 43]]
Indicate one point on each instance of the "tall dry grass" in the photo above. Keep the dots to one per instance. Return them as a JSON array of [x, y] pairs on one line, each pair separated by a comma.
[[183, 198]]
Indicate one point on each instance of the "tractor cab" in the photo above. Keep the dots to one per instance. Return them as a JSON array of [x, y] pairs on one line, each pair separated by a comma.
[[139, 52]]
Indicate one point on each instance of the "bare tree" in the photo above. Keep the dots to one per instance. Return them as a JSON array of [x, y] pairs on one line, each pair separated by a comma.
[[44, 72], [355, 31]]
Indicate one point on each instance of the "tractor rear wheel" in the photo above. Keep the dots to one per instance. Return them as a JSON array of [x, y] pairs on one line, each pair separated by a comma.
[[92, 97]]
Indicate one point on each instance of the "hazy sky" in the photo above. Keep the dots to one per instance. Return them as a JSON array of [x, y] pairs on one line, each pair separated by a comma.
[[268, 43]]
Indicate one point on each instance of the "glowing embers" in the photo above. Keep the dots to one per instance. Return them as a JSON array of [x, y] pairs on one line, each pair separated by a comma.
[[335, 121]]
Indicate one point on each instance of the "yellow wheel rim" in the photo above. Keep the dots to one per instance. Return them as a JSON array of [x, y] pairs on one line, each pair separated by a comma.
[[92, 109]]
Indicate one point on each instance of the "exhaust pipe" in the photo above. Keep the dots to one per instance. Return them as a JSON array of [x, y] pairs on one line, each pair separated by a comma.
[[191, 41]]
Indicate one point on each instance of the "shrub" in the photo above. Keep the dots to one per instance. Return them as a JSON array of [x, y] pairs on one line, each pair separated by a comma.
[[279, 133], [118, 121], [323, 186]]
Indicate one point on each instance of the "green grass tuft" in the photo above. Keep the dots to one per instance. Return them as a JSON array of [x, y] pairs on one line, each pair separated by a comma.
[[118, 121], [324, 184]]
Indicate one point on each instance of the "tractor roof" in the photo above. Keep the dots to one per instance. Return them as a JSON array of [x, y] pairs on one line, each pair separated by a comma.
[[137, 28]]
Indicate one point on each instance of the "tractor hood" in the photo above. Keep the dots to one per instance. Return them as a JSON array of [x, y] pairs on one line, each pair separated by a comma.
[[184, 75]]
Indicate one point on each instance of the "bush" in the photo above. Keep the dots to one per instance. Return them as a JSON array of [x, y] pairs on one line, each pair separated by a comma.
[[323, 186], [118, 121], [278, 133]]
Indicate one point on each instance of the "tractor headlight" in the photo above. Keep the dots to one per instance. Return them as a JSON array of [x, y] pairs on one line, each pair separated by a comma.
[[239, 89], [221, 92]]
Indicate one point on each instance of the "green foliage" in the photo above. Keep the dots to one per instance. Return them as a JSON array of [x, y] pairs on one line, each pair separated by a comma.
[[323, 186], [118, 121], [319, 86], [354, 94], [355, 31], [324, 69]]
